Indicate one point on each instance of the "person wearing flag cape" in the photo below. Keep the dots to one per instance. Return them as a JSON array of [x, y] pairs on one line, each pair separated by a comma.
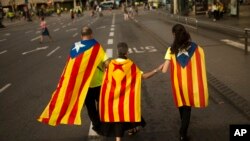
[[120, 98], [79, 84], [188, 75]]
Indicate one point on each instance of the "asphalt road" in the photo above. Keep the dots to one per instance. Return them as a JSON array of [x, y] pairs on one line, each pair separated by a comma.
[[29, 73]]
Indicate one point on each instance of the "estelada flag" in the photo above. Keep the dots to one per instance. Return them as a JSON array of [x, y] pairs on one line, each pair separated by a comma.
[[120, 98], [188, 76], [68, 98]]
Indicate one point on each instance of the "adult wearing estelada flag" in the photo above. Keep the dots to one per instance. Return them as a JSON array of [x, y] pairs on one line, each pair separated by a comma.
[[120, 98], [79, 84], [188, 75]]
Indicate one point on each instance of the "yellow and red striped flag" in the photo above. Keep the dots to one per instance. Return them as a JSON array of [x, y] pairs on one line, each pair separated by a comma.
[[68, 98], [120, 98], [188, 76]]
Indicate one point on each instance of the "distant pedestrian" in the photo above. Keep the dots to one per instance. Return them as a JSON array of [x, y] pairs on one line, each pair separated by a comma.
[[72, 15], [188, 76], [131, 12], [136, 10], [44, 29], [220, 10], [120, 107], [125, 13], [215, 11]]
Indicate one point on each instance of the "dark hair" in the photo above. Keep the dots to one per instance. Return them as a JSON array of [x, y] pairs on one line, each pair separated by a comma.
[[122, 48], [42, 18], [182, 38], [86, 31]]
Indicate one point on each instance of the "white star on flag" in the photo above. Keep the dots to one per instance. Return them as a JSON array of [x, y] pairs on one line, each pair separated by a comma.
[[78, 45], [182, 52]]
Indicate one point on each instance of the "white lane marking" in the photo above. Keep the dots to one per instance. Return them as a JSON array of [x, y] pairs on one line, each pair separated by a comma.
[[37, 49], [112, 25], [109, 53], [112, 29], [3, 40], [38, 37], [28, 31], [146, 49], [5, 87], [75, 34], [110, 41], [7, 34], [72, 29], [53, 51], [57, 29], [235, 44], [101, 27], [111, 34], [92, 133], [113, 20], [3, 52], [38, 32]]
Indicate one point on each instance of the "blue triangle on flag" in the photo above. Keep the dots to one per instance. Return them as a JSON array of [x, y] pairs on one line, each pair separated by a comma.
[[184, 59], [81, 46]]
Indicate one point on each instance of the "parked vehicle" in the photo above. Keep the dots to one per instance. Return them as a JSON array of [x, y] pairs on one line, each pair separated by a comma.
[[107, 5]]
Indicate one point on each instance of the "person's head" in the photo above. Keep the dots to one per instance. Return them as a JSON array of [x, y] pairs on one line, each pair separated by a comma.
[[42, 18], [181, 38], [87, 33], [122, 48]]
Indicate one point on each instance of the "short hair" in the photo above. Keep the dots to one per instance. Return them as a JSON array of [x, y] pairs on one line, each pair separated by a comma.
[[122, 48], [86, 31]]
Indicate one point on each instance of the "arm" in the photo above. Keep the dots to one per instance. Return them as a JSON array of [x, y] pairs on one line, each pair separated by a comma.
[[106, 63], [152, 73], [165, 66]]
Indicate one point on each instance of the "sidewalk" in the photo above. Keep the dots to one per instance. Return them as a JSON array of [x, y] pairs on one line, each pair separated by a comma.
[[228, 24], [228, 68], [242, 22]]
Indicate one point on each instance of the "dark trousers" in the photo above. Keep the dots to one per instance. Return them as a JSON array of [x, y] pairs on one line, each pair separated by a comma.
[[91, 102], [185, 113]]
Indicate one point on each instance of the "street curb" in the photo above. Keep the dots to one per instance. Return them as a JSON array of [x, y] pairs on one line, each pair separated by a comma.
[[231, 96], [241, 104]]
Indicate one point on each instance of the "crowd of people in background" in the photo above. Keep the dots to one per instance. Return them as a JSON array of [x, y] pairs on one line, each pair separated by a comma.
[[216, 10]]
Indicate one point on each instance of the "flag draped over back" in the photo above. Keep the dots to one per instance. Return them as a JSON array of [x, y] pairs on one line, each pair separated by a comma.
[[68, 98], [188, 75], [120, 97]]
